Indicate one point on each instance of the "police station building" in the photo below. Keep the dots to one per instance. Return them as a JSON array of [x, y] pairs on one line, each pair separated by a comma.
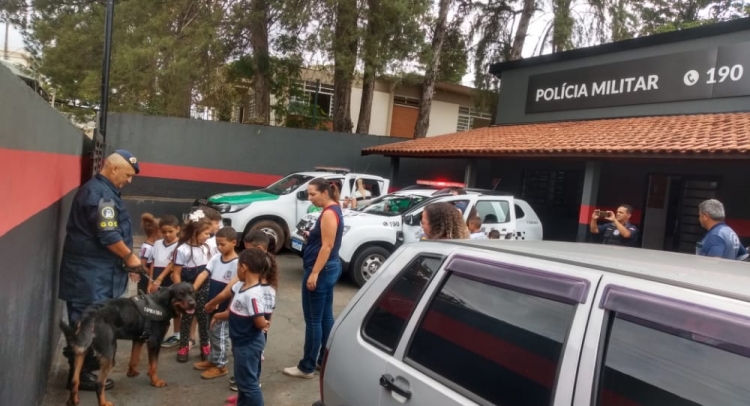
[[660, 123]]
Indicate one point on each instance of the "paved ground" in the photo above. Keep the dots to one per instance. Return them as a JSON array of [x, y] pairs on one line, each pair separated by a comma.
[[185, 386]]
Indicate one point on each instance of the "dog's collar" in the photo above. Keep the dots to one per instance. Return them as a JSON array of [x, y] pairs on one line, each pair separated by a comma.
[[150, 309]]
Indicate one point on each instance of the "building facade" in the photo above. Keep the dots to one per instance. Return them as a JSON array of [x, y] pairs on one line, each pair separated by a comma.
[[660, 123], [395, 106]]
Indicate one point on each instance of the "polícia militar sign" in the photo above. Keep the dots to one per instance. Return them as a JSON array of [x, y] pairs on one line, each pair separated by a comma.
[[693, 75]]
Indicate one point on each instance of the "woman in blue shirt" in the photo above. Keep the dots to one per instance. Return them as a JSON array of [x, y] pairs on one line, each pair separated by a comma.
[[322, 270]]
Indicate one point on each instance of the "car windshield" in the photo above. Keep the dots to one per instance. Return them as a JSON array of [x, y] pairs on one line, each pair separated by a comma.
[[288, 184], [392, 205]]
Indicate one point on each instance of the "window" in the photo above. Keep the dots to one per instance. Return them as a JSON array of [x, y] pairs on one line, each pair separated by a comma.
[[406, 101], [386, 321], [288, 184], [493, 212], [470, 118], [519, 212], [675, 368], [313, 93], [392, 205], [492, 343], [372, 188]]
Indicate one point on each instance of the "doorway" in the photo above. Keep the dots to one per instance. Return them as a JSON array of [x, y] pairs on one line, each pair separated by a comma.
[[671, 215]]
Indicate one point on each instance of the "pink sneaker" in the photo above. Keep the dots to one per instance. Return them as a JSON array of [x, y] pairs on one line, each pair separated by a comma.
[[205, 351], [232, 400], [182, 354]]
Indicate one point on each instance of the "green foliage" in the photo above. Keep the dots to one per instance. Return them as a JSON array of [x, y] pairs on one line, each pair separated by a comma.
[[454, 58], [162, 51]]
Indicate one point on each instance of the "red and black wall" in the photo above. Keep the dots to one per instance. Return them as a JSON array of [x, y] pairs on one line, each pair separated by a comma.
[[41, 154], [182, 159]]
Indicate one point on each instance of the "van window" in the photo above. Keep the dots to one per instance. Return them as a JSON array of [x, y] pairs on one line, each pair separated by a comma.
[[493, 212], [372, 188], [646, 365], [519, 212], [491, 343], [388, 317]]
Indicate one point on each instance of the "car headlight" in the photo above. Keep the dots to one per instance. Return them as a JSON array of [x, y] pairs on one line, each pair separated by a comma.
[[229, 208], [346, 228]]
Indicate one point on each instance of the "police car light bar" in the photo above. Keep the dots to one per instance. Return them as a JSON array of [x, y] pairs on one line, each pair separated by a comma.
[[439, 183], [334, 169]]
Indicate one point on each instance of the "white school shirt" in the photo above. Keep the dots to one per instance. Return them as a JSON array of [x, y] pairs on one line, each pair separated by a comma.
[[269, 298], [478, 236], [162, 253], [221, 271], [214, 249], [189, 256], [146, 252], [246, 305]]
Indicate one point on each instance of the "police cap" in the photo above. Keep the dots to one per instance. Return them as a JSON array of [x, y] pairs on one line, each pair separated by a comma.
[[130, 158]]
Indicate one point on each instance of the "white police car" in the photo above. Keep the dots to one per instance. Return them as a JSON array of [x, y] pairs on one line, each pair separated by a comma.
[[371, 234], [275, 209]]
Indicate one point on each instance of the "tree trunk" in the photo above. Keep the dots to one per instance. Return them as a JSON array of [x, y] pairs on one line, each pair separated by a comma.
[[261, 61], [345, 57], [370, 59], [523, 29], [428, 85]]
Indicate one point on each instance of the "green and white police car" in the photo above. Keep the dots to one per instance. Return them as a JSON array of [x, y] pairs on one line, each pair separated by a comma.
[[278, 207], [371, 234]]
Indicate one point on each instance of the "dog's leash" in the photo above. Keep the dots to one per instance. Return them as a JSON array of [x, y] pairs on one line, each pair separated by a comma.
[[141, 270]]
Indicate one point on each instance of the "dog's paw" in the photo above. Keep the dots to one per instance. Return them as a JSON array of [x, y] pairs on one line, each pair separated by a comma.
[[158, 383], [132, 372]]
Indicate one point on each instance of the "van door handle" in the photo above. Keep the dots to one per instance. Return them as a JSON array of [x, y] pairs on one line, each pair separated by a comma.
[[387, 381]]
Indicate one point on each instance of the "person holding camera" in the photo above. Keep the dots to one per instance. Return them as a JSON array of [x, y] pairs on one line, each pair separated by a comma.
[[619, 230]]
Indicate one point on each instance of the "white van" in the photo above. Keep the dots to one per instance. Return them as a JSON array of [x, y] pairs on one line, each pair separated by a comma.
[[373, 233], [277, 208]]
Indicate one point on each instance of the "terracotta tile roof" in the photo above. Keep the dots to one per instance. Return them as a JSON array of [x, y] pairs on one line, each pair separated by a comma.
[[705, 135]]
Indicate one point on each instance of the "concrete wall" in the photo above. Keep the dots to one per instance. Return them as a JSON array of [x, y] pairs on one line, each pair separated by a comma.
[[41, 153], [511, 103], [184, 159], [443, 118]]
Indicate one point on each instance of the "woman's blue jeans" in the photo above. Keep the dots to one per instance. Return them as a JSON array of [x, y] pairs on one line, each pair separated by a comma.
[[246, 371], [317, 307]]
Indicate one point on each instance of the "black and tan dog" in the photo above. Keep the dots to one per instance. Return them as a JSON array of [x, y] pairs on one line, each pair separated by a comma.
[[144, 319]]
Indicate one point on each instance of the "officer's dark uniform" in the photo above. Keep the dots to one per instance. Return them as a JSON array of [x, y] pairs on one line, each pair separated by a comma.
[[89, 271], [611, 235]]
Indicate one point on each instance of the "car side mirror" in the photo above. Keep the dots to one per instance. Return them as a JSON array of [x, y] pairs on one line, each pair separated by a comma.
[[409, 220], [302, 195]]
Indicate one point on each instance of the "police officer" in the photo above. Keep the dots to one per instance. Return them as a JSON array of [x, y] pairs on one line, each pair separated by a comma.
[[98, 246], [618, 231]]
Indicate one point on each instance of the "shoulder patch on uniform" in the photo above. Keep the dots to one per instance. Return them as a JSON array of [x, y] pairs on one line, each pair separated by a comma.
[[107, 220]]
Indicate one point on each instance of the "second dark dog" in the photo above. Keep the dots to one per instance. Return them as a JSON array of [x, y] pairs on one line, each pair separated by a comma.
[[143, 319]]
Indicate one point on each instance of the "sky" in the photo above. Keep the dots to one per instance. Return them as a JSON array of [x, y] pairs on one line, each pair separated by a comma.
[[15, 41]]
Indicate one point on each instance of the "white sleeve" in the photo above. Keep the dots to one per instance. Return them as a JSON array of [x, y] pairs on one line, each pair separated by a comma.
[[181, 258], [213, 263], [236, 287], [256, 305]]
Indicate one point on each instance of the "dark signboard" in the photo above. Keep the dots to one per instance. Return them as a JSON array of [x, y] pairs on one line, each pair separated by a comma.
[[704, 74]]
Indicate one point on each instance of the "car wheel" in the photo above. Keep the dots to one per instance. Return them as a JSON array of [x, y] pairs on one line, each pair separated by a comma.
[[273, 229], [368, 262]]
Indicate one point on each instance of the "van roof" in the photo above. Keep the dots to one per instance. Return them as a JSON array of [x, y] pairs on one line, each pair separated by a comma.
[[711, 275]]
